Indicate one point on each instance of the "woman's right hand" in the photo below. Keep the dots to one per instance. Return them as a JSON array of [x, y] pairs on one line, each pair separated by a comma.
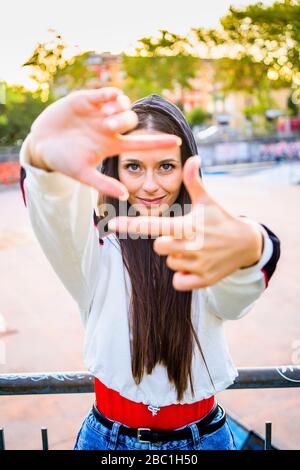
[[74, 134]]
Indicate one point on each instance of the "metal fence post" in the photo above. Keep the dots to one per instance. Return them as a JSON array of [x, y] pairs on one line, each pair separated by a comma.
[[2, 442], [268, 438], [45, 438]]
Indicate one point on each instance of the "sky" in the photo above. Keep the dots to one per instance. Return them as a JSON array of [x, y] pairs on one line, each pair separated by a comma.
[[113, 25]]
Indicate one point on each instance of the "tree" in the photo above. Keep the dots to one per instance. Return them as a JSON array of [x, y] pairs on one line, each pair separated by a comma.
[[54, 73], [255, 50], [46, 59], [74, 75], [145, 75], [240, 74], [197, 116], [165, 44], [271, 34], [21, 109], [159, 63], [265, 35]]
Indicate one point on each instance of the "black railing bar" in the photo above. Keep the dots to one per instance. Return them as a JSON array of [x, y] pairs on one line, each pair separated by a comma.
[[45, 438], [2, 441], [83, 382], [285, 376], [268, 436]]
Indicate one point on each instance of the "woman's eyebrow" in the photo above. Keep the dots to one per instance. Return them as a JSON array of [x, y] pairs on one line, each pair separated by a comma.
[[135, 160]]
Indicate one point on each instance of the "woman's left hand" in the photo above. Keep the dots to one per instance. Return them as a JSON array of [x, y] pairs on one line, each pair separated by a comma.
[[204, 246]]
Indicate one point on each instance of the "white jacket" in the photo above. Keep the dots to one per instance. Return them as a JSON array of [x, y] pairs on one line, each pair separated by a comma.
[[61, 214]]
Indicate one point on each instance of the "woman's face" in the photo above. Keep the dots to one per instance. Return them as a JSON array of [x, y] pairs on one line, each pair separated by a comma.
[[153, 177]]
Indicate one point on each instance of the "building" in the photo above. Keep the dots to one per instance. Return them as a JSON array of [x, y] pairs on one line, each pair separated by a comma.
[[107, 68]]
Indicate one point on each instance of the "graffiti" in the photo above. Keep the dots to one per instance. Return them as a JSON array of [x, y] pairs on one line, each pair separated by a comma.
[[290, 373], [249, 152], [53, 376], [282, 149]]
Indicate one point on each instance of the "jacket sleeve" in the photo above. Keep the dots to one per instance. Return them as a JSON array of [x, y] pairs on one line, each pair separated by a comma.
[[61, 212], [235, 295]]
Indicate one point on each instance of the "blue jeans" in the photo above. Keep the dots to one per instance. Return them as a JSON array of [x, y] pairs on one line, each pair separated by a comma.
[[95, 436]]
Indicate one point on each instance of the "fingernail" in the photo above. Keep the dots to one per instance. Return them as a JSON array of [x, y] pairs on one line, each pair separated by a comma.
[[124, 196], [124, 101], [197, 159], [112, 123], [179, 141], [108, 110]]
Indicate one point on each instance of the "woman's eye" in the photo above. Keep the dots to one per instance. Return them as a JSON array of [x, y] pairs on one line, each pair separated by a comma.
[[132, 166], [167, 166]]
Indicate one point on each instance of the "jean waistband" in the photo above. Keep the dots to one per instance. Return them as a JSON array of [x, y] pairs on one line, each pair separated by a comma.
[[205, 426]]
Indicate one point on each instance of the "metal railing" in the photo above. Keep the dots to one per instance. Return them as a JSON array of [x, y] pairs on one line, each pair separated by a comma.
[[83, 382]]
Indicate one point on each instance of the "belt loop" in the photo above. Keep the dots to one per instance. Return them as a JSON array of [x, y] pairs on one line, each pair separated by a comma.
[[196, 436], [114, 435]]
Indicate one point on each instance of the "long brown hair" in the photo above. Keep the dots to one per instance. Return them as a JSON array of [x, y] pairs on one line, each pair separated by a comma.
[[160, 316]]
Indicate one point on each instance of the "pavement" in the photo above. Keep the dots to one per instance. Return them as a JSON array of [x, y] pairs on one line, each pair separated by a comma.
[[40, 327]]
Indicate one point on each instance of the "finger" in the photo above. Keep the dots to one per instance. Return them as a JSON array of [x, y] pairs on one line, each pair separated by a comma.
[[121, 103], [101, 95], [84, 102], [119, 123], [184, 281], [193, 182], [148, 142], [180, 228], [183, 263], [104, 184], [93, 84], [153, 226], [169, 246]]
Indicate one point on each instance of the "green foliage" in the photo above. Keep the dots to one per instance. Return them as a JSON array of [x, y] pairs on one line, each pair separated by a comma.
[[268, 35], [45, 61], [197, 116], [21, 109], [74, 75], [165, 44], [161, 63], [242, 74], [261, 101], [257, 48], [146, 75], [53, 72]]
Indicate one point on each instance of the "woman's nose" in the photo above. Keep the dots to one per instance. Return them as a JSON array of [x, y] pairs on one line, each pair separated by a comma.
[[150, 185]]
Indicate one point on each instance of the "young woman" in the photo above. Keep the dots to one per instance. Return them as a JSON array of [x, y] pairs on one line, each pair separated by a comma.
[[154, 293]]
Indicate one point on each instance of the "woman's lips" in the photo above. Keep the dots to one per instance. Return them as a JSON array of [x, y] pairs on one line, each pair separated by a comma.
[[150, 202]]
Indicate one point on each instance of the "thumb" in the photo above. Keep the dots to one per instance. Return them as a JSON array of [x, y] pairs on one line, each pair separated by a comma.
[[193, 182]]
